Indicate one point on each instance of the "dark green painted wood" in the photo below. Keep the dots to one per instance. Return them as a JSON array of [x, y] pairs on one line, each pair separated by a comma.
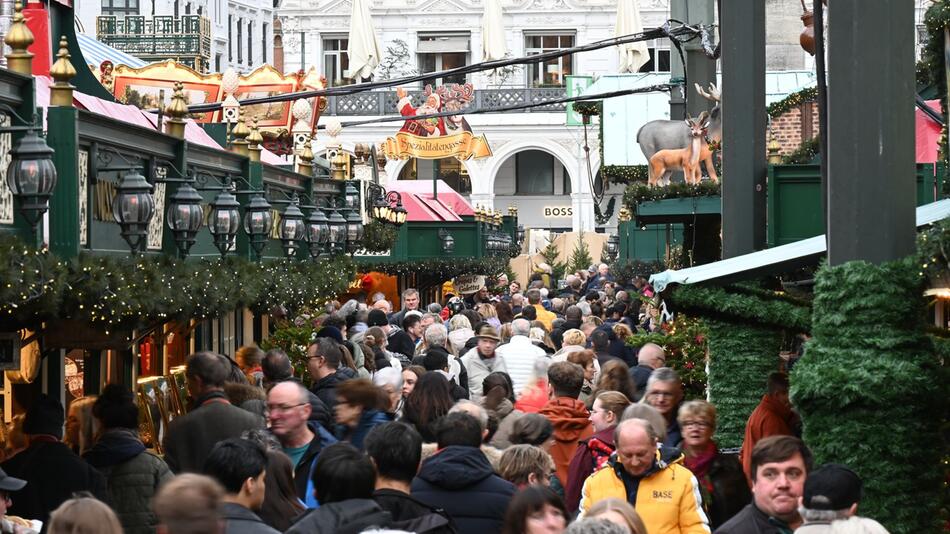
[[62, 22], [743, 126], [64, 204], [648, 242], [870, 142]]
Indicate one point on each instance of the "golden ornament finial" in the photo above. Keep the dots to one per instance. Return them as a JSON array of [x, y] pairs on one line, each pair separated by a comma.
[[176, 111], [61, 92], [255, 142], [305, 161], [240, 134], [19, 38]]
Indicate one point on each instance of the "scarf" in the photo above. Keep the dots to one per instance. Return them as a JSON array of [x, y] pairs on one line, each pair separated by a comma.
[[699, 464]]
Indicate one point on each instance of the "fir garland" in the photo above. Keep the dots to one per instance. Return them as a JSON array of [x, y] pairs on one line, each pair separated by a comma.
[[716, 302], [625, 270], [437, 268], [626, 174], [792, 101], [872, 393], [684, 342], [807, 152], [933, 253], [115, 292], [740, 359], [379, 237], [931, 68], [637, 193]]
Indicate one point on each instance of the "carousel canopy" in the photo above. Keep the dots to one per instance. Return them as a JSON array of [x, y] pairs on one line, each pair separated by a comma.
[[95, 52]]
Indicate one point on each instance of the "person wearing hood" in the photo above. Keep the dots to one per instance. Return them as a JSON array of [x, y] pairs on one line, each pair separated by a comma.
[[593, 453], [133, 474], [568, 414], [360, 406], [460, 480], [663, 491]]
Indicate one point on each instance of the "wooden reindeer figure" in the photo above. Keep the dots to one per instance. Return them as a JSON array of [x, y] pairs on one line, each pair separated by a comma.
[[686, 159]]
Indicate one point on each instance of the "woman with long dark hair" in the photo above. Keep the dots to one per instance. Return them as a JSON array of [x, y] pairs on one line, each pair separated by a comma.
[[535, 510], [360, 406], [281, 505], [429, 400], [499, 401]]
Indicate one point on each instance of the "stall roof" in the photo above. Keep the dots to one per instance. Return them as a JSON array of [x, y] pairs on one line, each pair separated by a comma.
[[776, 259], [95, 52], [133, 115], [421, 206]]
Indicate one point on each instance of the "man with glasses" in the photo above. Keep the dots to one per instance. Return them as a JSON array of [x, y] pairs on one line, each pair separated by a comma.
[[664, 392], [649, 358], [288, 413]]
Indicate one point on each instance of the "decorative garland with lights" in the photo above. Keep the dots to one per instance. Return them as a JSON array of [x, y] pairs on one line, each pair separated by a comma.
[[624, 271], [933, 253], [684, 342], [437, 268], [742, 305], [931, 69], [637, 193], [792, 101], [128, 292], [379, 237], [626, 174], [806, 153], [872, 392]]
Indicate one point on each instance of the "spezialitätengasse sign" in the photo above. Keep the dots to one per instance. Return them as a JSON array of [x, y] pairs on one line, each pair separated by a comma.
[[462, 145]]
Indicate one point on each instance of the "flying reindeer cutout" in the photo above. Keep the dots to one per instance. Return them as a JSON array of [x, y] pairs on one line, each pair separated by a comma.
[[665, 161], [659, 135], [454, 97]]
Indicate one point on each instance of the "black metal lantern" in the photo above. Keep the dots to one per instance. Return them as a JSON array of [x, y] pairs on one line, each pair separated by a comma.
[[613, 247], [400, 213], [381, 209], [224, 220], [292, 228], [184, 217], [132, 208], [258, 221], [521, 234], [31, 176], [318, 232], [448, 242], [352, 196], [338, 229], [354, 230]]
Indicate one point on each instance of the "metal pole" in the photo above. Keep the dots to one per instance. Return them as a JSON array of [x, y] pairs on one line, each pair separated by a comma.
[[743, 127], [871, 178]]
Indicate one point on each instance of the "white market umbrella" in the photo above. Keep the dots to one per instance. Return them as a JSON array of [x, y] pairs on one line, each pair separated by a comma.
[[632, 55], [363, 48], [493, 32]]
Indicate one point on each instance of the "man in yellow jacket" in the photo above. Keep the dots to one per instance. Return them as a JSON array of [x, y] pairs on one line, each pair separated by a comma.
[[665, 494]]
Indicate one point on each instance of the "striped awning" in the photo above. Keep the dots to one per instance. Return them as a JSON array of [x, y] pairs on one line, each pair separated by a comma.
[[95, 52]]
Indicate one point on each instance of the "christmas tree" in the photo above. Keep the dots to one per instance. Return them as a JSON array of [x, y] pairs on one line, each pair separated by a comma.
[[551, 253], [580, 258]]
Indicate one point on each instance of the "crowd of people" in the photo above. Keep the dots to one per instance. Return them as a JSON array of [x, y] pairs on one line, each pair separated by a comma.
[[506, 411]]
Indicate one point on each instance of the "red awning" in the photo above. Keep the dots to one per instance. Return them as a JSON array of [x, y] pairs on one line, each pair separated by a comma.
[[133, 115], [417, 198], [928, 134]]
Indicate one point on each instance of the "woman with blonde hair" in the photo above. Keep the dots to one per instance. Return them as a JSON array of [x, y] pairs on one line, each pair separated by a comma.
[[592, 453], [460, 331], [526, 465], [618, 512], [573, 340], [488, 314], [83, 515], [81, 426]]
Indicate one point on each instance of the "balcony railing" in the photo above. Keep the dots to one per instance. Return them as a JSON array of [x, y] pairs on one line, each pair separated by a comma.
[[161, 37], [384, 102]]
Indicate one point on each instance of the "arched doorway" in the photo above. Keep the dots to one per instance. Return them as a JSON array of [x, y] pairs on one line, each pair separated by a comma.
[[539, 184], [450, 170]]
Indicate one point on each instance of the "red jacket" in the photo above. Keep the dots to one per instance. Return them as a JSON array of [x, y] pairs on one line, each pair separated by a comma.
[[770, 418], [571, 424]]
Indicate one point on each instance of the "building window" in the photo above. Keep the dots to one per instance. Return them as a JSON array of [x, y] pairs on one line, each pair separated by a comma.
[[552, 72], [187, 8], [922, 38], [240, 40], [217, 62], [120, 8], [443, 51], [534, 173], [264, 43], [230, 30], [335, 60], [250, 42], [659, 50]]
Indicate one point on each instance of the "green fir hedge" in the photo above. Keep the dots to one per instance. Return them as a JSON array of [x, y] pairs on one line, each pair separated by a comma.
[[871, 393], [740, 360]]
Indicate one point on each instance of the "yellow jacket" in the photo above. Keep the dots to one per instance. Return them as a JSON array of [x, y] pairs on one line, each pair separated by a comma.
[[545, 317], [668, 498]]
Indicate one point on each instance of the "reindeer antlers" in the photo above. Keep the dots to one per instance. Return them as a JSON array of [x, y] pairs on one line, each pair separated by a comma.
[[714, 93]]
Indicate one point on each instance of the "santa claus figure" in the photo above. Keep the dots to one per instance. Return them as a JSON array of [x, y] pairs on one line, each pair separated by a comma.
[[422, 127]]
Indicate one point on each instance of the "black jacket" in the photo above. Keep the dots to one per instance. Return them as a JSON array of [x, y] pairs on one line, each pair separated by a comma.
[[400, 343], [458, 392], [192, 436], [751, 520], [412, 515], [53, 472], [640, 374], [325, 389], [345, 517], [240, 520], [729, 489], [558, 333], [460, 481]]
